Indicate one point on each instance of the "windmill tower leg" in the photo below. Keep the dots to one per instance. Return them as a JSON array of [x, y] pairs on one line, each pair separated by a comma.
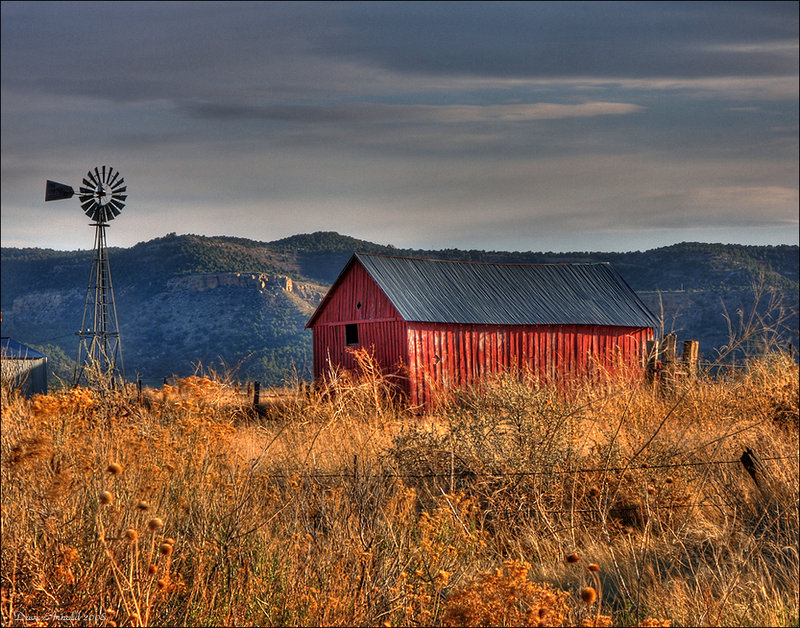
[[100, 363]]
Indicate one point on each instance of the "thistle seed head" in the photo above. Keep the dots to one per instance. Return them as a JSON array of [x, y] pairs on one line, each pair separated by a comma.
[[589, 595]]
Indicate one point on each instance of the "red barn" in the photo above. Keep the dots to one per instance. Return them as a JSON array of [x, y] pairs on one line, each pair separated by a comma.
[[447, 324]]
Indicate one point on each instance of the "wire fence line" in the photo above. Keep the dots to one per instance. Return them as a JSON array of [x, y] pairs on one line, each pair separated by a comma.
[[636, 505], [462, 473], [602, 508], [610, 509]]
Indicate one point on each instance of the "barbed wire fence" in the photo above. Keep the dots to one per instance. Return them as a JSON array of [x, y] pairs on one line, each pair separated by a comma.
[[356, 475], [388, 476]]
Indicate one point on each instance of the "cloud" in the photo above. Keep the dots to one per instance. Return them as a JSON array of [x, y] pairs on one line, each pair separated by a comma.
[[257, 51], [415, 123], [618, 40], [768, 88], [787, 48], [772, 201], [383, 113]]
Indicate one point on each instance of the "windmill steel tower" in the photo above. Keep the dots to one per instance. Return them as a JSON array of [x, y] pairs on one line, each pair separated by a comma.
[[102, 197]]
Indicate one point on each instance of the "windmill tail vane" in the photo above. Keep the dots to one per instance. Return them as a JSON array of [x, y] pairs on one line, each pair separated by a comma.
[[57, 191], [102, 196]]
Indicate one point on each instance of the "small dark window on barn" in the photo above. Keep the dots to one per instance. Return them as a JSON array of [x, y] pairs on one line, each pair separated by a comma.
[[351, 334]]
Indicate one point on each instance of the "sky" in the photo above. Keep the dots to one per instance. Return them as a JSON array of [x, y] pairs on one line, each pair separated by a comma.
[[519, 126]]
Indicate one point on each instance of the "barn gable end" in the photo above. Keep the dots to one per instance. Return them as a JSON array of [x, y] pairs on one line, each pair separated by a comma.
[[356, 313]]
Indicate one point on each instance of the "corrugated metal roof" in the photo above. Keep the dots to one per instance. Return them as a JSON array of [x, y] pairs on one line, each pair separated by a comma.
[[16, 350], [437, 291]]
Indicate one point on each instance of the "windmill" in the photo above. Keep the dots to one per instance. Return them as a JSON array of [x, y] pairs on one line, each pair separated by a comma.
[[102, 197]]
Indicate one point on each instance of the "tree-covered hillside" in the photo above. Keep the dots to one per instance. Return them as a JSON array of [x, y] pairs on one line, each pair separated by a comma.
[[176, 312]]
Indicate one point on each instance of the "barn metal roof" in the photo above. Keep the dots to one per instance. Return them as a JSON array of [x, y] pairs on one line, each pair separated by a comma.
[[435, 291], [10, 348]]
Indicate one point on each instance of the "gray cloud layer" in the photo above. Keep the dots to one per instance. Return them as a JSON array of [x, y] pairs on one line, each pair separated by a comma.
[[616, 39], [496, 125]]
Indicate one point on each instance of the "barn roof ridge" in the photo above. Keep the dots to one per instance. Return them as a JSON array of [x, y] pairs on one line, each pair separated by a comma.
[[430, 291], [359, 254]]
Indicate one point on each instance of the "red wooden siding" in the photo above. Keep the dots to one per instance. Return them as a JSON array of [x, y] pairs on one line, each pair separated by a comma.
[[446, 356], [358, 300], [438, 356]]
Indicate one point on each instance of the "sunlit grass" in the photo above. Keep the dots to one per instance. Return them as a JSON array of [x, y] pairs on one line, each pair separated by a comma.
[[515, 504]]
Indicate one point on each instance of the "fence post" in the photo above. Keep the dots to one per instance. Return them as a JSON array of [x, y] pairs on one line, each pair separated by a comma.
[[256, 394], [691, 353], [652, 359], [670, 351], [670, 357], [767, 484]]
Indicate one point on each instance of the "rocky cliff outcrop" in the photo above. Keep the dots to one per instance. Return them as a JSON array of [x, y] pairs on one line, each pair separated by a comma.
[[210, 281]]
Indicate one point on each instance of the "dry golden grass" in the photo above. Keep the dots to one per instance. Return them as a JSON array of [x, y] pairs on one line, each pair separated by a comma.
[[515, 504]]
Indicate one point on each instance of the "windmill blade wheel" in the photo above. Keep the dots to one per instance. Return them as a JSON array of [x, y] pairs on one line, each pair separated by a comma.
[[103, 194]]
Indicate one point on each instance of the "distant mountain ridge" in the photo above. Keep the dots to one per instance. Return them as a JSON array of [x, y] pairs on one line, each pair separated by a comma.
[[226, 301]]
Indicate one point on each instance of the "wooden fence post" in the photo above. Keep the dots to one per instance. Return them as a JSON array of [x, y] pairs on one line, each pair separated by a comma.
[[691, 354], [770, 487], [670, 351], [256, 394], [652, 359], [669, 374]]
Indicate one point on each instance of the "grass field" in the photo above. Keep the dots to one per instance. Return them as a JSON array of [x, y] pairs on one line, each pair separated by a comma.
[[515, 504]]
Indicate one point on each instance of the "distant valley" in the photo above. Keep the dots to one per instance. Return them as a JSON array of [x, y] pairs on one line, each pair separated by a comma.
[[237, 305]]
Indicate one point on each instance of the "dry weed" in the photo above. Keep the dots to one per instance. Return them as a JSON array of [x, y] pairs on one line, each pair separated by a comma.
[[341, 508]]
